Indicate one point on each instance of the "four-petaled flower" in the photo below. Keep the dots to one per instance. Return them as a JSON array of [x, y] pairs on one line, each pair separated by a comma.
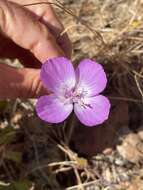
[[73, 89]]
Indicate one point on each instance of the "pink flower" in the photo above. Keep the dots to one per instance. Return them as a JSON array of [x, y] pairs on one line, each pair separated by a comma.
[[76, 90]]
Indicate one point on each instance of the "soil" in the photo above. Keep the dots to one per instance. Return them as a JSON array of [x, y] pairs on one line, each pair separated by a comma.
[[39, 156]]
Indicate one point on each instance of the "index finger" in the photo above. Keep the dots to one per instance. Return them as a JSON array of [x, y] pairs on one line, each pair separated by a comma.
[[24, 29], [47, 15]]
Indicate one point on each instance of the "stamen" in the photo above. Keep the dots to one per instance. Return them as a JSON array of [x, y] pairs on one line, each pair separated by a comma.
[[76, 96]]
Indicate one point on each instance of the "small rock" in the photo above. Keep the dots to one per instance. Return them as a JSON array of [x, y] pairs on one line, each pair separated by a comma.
[[136, 184], [119, 162], [140, 133], [128, 150]]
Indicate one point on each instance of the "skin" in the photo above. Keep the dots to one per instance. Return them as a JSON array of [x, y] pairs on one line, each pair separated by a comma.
[[31, 34]]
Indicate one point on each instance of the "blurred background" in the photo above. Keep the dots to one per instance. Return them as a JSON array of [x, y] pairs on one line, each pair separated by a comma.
[[38, 156]]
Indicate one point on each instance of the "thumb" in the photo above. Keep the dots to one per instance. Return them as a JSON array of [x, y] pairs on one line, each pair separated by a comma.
[[20, 83]]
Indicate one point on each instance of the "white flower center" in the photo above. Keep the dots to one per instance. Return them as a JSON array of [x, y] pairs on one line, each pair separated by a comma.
[[76, 95]]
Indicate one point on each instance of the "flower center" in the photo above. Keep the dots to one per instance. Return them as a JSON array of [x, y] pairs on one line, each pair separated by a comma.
[[76, 96]]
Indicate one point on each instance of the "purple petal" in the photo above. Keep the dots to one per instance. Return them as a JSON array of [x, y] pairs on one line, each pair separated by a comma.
[[51, 109], [57, 73], [96, 111], [91, 77]]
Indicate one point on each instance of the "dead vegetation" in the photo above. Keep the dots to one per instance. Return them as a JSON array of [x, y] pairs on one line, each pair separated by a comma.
[[36, 156]]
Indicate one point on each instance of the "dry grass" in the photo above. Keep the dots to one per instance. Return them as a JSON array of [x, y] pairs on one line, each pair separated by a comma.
[[110, 31]]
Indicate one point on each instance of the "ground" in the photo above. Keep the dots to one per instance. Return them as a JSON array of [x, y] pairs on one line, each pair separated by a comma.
[[38, 156]]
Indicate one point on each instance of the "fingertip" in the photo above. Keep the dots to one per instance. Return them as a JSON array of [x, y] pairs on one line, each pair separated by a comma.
[[46, 48]]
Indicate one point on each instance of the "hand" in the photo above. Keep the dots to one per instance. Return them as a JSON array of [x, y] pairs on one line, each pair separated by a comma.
[[31, 34]]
